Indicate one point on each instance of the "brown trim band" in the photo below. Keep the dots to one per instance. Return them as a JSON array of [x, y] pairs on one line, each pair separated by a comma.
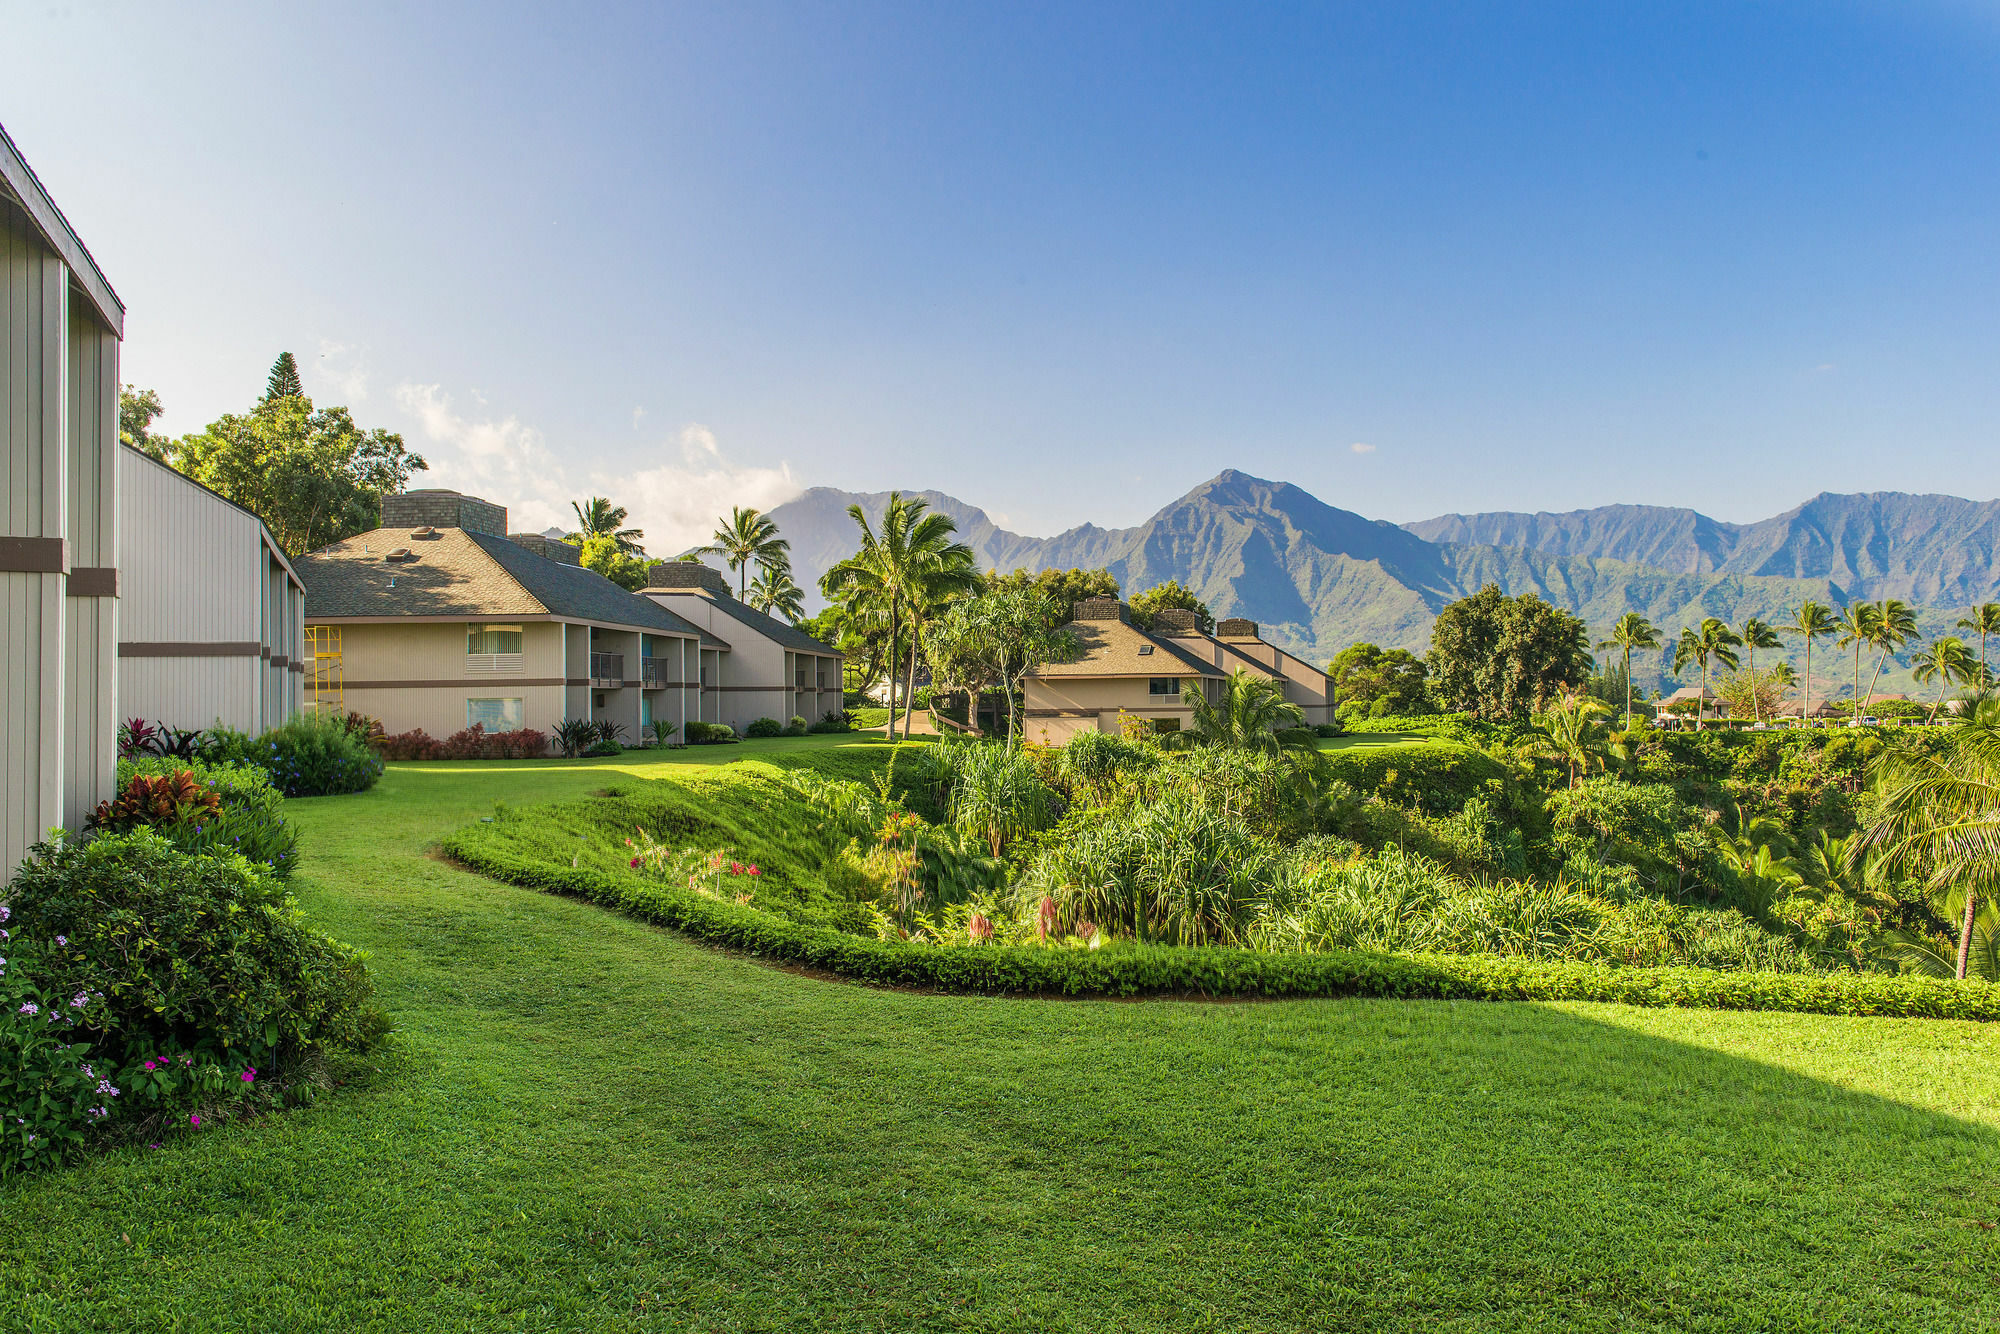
[[93, 581], [1096, 713], [280, 660], [264, 652], [486, 686], [33, 555], [247, 649], [295, 667]]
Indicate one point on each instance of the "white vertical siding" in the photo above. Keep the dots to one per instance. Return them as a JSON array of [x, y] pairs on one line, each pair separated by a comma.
[[90, 715], [34, 310]]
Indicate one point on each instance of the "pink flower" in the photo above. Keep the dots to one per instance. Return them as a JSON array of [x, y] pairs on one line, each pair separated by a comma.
[[149, 1065], [736, 868], [635, 862], [195, 1119], [250, 1075], [753, 868]]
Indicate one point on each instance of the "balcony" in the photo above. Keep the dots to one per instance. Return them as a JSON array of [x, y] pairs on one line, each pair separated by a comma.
[[607, 669], [652, 673]]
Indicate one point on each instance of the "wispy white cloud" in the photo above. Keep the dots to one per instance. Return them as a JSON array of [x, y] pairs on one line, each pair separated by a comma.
[[1361, 448], [638, 415], [341, 368], [676, 502]]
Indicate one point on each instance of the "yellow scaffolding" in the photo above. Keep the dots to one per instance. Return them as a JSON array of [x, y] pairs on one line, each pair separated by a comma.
[[326, 682]]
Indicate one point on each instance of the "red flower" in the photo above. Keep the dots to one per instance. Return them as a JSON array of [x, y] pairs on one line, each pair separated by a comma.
[[635, 861]]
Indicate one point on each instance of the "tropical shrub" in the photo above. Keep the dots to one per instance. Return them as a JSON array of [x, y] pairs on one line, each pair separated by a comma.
[[763, 727], [573, 736], [601, 749], [245, 816], [206, 953], [1135, 969], [137, 737], [1438, 777], [796, 727], [708, 734], [997, 796], [315, 755]]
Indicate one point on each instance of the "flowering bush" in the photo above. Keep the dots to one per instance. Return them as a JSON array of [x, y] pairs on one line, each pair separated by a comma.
[[205, 954], [51, 1096], [313, 756]]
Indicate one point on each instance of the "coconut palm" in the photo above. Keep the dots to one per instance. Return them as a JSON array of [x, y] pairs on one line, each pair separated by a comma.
[[747, 535], [1577, 733], [598, 517], [1895, 626], [774, 592], [1714, 642], [1944, 660], [1857, 627], [911, 559], [1756, 635], [1252, 710], [1630, 631], [938, 578], [1810, 620], [1984, 621], [1939, 817]]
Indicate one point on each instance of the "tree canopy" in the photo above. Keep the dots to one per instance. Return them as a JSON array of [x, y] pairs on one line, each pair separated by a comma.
[[1160, 597], [136, 410], [284, 382], [1061, 589], [1505, 657], [1379, 680], [604, 554], [311, 474]]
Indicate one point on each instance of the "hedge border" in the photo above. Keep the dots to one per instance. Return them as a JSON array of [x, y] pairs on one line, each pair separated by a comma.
[[1158, 970]]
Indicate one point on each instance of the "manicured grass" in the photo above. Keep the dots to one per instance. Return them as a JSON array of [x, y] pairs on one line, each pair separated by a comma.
[[588, 1124], [1366, 740]]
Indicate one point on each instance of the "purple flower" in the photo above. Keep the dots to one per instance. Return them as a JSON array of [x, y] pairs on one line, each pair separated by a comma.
[[62, 940], [29, 1007], [250, 1075]]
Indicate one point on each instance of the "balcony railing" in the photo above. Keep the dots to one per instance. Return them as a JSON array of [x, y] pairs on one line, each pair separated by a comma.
[[652, 673], [607, 669]]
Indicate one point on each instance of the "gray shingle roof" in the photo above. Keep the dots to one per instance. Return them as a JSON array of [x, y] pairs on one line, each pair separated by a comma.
[[462, 573], [770, 627]]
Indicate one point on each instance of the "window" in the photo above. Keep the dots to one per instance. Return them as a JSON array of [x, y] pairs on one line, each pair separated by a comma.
[[1145, 650], [495, 715], [1163, 685], [1163, 725], [493, 639], [492, 649]]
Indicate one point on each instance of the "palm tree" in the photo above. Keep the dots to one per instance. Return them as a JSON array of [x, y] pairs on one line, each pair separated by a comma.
[[1857, 627], [1984, 621], [598, 517], [1939, 815], [1895, 626], [912, 559], [1945, 660], [938, 578], [1714, 642], [1630, 631], [1252, 710], [747, 535], [1810, 620], [774, 592], [1577, 733], [1756, 635]]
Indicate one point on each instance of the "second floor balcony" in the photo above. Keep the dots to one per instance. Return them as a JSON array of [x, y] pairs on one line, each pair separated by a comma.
[[607, 669]]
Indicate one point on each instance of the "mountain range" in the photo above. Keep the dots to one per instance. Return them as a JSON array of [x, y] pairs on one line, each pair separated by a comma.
[[1319, 578]]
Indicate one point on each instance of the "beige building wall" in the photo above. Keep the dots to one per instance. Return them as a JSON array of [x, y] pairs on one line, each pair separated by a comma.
[[1057, 708], [757, 677], [417, 675]]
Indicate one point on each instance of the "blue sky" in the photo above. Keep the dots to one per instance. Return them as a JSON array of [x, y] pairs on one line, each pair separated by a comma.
[[1062, 261]]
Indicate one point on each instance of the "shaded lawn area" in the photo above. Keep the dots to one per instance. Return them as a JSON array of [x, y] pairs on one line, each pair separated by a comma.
[[585, 1123], [1369, 740]]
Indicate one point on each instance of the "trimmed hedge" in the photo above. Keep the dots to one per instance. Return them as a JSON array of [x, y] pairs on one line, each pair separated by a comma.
[[1139, 970]]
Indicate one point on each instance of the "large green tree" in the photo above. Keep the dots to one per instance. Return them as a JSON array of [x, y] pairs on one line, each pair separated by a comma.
[[310, 473], [1859, 624], [1983, 620], [1757, 634], [283, 381], [1711, 645], [1810, 620], [1249, 715], [1628, 632], [1944, 660], [775, 592], [1149, 604], [1062, 589], [748, 535], [136, 410], [996, 639], [900, 575], [598, 517], [1895, 626], [1379, 680], [1505, 657]]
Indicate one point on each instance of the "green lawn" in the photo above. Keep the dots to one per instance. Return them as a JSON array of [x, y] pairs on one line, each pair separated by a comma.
[[588, 1124], [1366, 740]]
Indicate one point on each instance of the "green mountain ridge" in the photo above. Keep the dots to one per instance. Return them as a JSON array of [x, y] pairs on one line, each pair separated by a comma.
[[1318, 578]]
